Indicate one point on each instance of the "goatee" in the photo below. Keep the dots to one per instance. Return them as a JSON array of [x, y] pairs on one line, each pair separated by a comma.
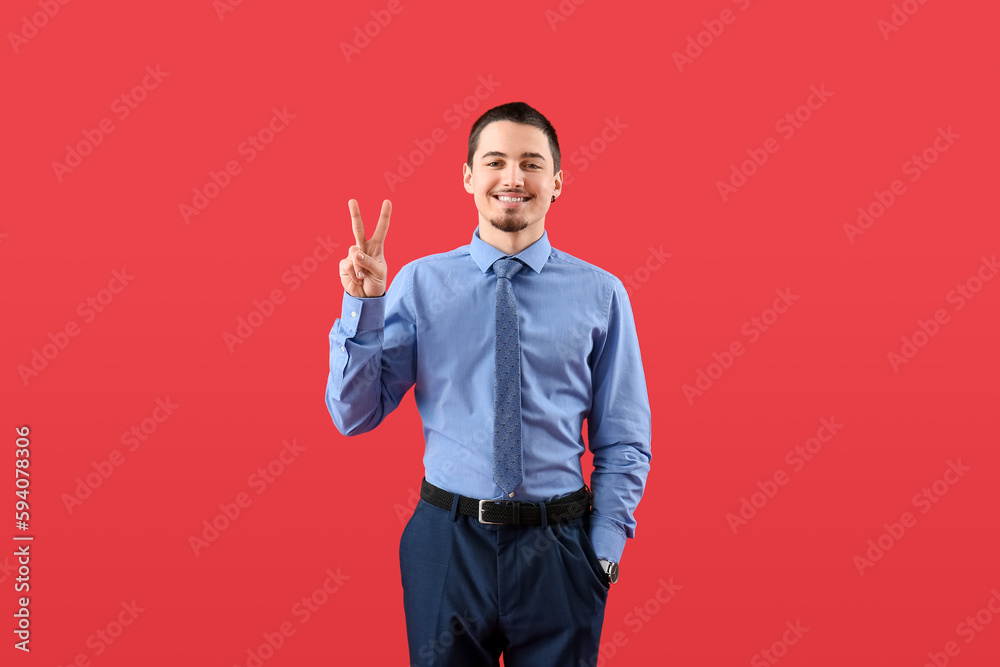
[[508, 223]]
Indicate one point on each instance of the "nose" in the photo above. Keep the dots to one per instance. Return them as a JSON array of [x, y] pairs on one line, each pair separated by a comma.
[[513, 176]]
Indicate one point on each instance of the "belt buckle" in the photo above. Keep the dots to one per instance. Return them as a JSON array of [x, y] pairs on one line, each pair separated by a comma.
[[482, 510]]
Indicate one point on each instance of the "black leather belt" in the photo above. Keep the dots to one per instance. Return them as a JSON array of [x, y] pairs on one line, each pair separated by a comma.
[[511, 512]]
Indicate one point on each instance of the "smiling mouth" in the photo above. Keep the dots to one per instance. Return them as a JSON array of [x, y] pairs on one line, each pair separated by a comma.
[[511, 199]]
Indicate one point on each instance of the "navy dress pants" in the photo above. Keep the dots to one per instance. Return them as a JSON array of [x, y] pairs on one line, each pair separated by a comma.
[[536, 594]]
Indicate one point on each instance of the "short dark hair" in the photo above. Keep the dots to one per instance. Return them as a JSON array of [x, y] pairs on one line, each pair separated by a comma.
[[517, 112]]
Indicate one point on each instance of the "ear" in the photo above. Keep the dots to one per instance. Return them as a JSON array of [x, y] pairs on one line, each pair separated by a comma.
[[557, 188], [467, 179]]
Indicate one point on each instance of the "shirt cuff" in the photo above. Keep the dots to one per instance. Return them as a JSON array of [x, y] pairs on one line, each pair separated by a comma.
[[364, 314], [608, 539]]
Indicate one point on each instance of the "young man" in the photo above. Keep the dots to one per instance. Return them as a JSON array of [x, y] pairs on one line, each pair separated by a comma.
[[510, 345]]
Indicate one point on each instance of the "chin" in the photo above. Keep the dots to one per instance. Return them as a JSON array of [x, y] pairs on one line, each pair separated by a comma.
[[509, 225]]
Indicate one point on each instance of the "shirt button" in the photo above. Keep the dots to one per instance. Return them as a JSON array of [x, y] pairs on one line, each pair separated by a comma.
[[353, 314], [343, 349]]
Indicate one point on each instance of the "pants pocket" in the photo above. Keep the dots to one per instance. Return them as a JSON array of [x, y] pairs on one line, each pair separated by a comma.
[[408, 530], [591, 555]]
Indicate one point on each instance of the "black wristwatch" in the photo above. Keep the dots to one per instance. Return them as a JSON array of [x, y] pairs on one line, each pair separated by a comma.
[[611, 569]]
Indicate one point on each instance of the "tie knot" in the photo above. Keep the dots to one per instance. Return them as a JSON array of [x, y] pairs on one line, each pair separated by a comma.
[[506, 268]]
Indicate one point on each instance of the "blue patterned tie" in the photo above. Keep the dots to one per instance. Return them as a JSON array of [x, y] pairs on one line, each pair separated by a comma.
[[507, 464]]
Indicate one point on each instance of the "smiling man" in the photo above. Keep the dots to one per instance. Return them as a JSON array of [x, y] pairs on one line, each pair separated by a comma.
[[510, 346]]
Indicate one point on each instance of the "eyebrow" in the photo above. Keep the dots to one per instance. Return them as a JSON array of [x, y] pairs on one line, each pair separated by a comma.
[[523, 155]]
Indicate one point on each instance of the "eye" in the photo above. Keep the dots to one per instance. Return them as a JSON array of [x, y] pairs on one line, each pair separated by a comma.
[[490, 164]]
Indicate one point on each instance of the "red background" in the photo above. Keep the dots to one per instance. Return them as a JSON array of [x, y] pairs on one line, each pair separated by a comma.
[[653, 187]]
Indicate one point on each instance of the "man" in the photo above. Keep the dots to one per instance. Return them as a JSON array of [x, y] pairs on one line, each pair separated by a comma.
[[510, 345]]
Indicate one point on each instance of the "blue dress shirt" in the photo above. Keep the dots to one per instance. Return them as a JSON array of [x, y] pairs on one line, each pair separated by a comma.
[[434, 330]]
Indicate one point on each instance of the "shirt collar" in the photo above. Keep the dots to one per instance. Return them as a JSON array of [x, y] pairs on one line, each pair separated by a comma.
[[535, 255]]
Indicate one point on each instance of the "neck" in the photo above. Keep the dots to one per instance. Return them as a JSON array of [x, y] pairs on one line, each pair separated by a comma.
[[510, 243]]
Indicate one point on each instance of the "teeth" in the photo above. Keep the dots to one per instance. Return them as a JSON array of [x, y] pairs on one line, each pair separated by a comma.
[[512, 199]]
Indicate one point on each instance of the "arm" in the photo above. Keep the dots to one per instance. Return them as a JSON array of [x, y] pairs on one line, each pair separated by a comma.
[[373, 357], [373, 344], [619, 430]]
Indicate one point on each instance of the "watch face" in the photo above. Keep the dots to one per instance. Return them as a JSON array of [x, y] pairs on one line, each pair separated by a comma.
[[613, 573]]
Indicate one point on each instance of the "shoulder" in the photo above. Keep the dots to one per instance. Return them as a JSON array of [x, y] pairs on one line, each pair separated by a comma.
[[590, 283], [583, 270], [436, 259], [428, 265], [439, 257]]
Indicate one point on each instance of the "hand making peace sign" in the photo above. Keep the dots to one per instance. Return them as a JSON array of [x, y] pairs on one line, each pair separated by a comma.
[[363, 272]]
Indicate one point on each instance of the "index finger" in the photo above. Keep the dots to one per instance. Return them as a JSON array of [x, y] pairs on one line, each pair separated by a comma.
[[383, 222], [356, 223]]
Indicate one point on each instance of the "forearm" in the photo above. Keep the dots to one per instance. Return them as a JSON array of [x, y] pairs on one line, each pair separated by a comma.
[[620, 429], [354, 385], [618, 481]]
